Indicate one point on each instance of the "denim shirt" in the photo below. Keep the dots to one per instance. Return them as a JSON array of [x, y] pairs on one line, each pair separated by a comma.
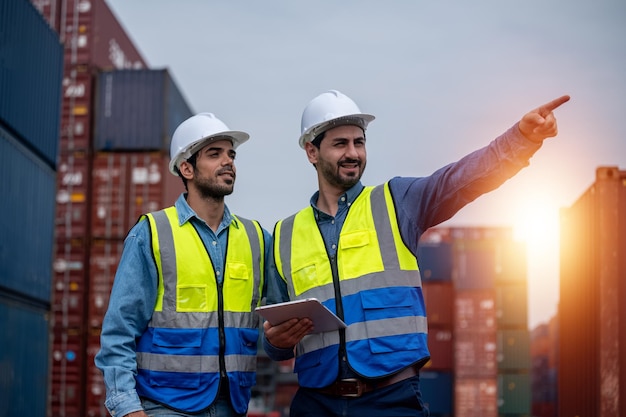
[[421, 203], [133, 296]]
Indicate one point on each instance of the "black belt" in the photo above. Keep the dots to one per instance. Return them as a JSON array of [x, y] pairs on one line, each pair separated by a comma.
[[355, 387]]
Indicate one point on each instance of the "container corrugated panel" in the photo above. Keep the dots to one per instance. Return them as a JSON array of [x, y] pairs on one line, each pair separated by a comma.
[[105, 256], [475, 310], [592, 330], [67, 391], [24, 359], [30, 77], [513, 350], [26, 220], [514, 394], [73, 196], [69, 305], [435, 261], [475, 354], [76, 109], [95, 393], [512, 305], [437, 392], [110, 177], [475, 397], [92, 34], [440, 345], [137, 110], [439, 299]]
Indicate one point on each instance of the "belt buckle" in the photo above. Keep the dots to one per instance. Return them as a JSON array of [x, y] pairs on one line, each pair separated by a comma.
[[351, 383]]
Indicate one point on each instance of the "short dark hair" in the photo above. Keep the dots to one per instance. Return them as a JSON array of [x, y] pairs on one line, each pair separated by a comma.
[[192, 160]]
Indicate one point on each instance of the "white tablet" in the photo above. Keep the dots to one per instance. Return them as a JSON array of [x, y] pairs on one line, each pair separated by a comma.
[[324, 320]]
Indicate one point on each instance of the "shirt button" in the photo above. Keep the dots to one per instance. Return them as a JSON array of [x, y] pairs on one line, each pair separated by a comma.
[[218, 273], [332, 221], [214, 243], [343, 199], [334, 246]]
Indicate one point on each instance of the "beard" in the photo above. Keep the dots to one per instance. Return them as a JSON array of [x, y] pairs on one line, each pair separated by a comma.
[[331, 172], [214, 188]]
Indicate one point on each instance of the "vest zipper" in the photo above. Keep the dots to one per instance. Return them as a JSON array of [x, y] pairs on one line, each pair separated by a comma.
[[339, 306], [220, 315]]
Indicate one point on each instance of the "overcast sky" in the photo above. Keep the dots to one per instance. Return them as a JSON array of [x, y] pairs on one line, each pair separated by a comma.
[[442, 79]]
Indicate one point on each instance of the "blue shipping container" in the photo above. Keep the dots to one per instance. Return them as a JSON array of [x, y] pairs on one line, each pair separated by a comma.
[[24, 359], [437, 392], [27, 207], [137, 110], [435, 261], [31, 72]]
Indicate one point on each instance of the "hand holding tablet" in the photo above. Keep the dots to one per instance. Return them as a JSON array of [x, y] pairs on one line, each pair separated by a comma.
[[323, 319]]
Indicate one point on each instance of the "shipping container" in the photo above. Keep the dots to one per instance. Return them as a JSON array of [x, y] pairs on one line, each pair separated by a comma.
[[475, 310], [95, 392], [435, 261], [26, 220], [92, 34], [475, 354], [30, 78], [67, 373], [475, 397], [69, 306], [24, 357], [512, 305], [73, 195], [514, 394], [437, 390], [439, 299], [513, 350], [441, 347], [137, 110], [76, 109], [105, 256], [127, 185], [592, 314]]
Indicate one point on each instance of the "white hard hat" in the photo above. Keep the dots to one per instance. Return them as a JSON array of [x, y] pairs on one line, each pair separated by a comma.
[[327, 110], [195, 133]]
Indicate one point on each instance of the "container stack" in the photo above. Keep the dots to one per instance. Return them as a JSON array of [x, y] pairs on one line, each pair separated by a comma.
[[592, 312], [477, 276], [116, 118], [435, 257], [31, 68], [543, 354]]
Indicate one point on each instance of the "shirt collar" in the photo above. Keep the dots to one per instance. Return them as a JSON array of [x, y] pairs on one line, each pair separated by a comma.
[[349, 197], [186, 213]]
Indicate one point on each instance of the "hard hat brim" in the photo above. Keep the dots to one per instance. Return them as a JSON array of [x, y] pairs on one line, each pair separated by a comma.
[[357, 119], [236, 137]]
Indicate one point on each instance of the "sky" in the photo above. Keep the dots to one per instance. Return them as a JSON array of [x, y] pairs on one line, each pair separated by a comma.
[[443, 78]]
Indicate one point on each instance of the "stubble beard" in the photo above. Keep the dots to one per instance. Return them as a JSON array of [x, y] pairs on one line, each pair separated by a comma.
[[213, 190], [331, 173]]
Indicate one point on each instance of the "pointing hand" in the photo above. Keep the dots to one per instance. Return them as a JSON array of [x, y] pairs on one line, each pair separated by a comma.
[[540, 123]]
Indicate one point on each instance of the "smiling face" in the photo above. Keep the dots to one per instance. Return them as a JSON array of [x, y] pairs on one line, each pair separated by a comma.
[[214, 173], [341, 157]]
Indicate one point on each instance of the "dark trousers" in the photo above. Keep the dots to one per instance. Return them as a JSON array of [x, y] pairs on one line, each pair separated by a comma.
[[402, 399]]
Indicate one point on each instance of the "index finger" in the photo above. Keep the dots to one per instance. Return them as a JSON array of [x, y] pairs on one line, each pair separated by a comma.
[[548, 107]]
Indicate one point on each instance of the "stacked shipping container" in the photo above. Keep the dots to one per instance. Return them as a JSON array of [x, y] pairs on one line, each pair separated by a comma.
[[543, 353], [476, 277], [31, 66], [592, 320], [116, 122]]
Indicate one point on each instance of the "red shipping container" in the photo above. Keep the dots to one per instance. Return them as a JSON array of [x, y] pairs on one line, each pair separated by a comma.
[[439, 299], [475, 310], [67, 379], [440, 345], [110, 195], [475, 397], [92, 33], [78, 87], [95, 392], [72, 198], [105, 256], [475, 354], [69, 281]]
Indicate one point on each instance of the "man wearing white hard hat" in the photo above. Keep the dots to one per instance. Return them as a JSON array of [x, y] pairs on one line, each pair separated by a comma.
[[180, 333], [354, 248]]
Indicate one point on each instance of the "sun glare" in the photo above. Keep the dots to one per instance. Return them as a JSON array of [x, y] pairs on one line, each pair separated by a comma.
[[537, 224]]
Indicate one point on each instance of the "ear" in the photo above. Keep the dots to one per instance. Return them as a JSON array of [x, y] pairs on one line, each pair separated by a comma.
[[186, 170], [311, 152]]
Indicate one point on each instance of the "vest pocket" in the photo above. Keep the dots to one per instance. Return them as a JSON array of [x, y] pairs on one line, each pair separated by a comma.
[[192, 298], [249, 340]]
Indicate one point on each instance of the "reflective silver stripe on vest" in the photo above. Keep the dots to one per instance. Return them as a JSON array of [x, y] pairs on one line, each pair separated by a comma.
[[286, 235], [168, 260], [196, 364], [257, 258], [200, 320], [382, 224], [361, 331]]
